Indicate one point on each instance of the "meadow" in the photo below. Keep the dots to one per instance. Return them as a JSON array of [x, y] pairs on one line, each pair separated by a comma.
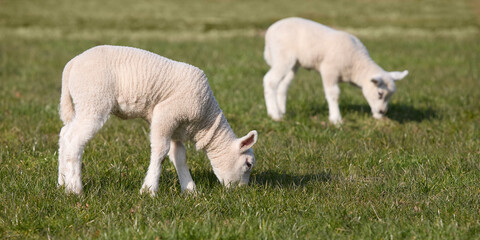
[[415, 175]]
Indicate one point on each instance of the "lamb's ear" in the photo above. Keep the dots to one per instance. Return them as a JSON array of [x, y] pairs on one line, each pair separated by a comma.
[[377, 80], [398, 75], [247, 141]]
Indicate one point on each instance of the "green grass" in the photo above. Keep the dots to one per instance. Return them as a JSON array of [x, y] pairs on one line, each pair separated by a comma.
[[413, 176]]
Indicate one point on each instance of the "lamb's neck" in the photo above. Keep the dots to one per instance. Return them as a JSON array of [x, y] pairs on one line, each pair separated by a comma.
[[364, 68], [221, 142], [216, 137]]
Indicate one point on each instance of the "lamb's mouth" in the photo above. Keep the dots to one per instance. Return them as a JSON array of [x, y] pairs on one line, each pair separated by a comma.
[[378, 115]]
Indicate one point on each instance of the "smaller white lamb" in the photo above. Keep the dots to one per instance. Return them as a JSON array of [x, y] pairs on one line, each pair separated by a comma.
[[336, 55], [174, 97]]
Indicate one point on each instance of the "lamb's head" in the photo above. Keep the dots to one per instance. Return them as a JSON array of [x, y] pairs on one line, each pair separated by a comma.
[[380, 89], [235, 164]]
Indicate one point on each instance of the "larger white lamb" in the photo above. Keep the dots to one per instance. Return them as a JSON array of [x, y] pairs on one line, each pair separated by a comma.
[[174, 97], [337, 55]]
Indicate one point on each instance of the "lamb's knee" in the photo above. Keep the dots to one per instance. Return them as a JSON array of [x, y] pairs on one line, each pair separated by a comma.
[[160, 148], [271, 80], [82, 129], [332, 93], [286, 81]]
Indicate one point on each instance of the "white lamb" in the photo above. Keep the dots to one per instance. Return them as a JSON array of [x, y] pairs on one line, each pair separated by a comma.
[[337, 55], [174, 97]]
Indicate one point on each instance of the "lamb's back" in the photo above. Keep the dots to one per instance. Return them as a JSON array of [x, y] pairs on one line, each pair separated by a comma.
[[139, 80], [311, 42]]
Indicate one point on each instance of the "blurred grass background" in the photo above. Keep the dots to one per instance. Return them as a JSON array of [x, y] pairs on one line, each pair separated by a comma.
[[414, 175]]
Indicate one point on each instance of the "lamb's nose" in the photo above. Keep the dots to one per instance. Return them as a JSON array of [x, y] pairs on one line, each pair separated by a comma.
[[382, 111]]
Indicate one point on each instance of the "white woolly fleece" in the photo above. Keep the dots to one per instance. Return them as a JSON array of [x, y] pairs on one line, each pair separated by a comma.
[[174, 97], [337, 55]]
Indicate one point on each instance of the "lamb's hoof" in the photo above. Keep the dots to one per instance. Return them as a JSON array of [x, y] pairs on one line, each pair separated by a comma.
[[148, 190], [336, 122], [189, 192], [69, 189], [276, 117], [190, 189], [60, 182]]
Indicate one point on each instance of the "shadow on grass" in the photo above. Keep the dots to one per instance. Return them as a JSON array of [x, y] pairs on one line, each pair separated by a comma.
[[106, 183], [396, 112], [273, 178], [267, 178]]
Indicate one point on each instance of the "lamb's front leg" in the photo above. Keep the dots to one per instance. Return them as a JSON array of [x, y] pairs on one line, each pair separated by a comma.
[[160, 134], [160, 148], [178, 157], [332, 93]]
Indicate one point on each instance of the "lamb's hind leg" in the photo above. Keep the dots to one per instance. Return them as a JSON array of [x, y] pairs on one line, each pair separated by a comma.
[[61, 159], [162, 126], [271, 82], [178, 157], [73, 139], [283, 90]]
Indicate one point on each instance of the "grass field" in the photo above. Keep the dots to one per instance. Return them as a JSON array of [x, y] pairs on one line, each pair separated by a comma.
[[415, 175]]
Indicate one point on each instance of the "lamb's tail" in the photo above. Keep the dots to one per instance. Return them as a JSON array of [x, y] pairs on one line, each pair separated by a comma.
[[266, 54], [67, 112]]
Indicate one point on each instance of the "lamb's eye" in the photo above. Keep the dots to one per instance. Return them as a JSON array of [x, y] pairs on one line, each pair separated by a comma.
[[380, 95], [249, 164]]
